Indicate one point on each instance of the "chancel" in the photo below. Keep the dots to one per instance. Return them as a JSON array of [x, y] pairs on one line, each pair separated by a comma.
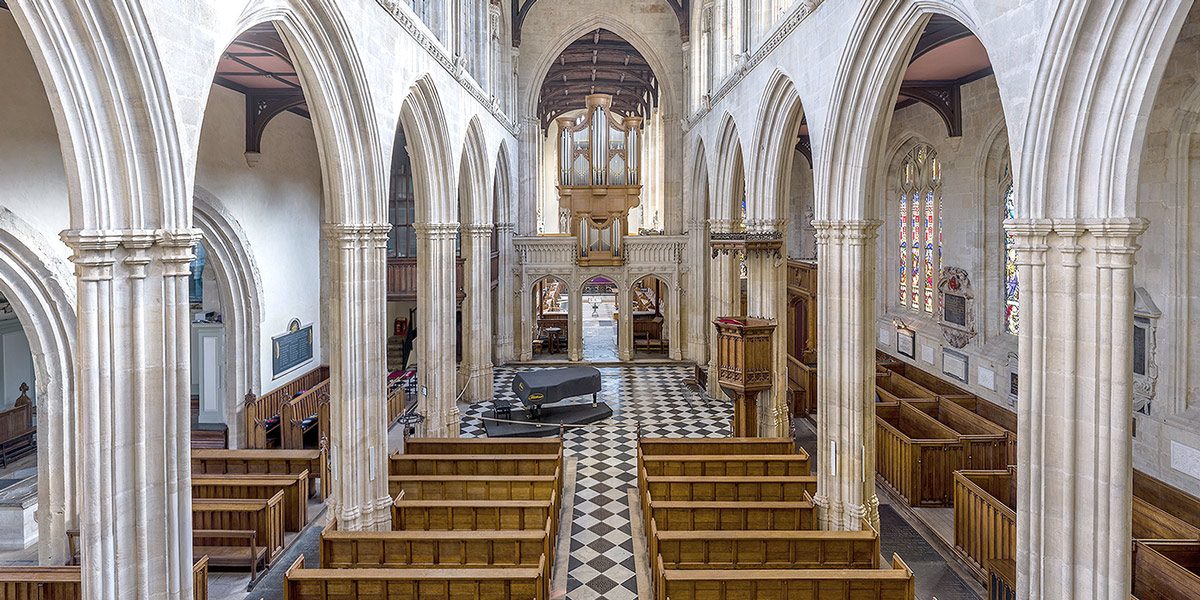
[[620, 299]]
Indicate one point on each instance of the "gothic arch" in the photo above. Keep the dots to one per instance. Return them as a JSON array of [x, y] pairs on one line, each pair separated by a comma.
[[701, 186], [241, 302], [327, 60], [42, 293], [424, 124], [503, 209], [729, 156], [473, 178], [778, 123]]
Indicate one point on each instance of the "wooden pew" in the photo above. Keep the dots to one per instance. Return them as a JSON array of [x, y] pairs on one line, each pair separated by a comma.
[[18, 428], [505, 446], [259, 487], [261, 416], [916, 455], [468, 515], [1182, 508], [1002, 579], [985, 517], [200, 578], [750, 465], [892, 387], [1166, 570], [985, 444], [307, 412], [433, 549], [732, 516], [767, 549], [944, 389], [1153, 523], [786, 584], [40, 583], [464, 464], [731, 489], [473, 487], [263, 517], [802, 386], [417, 584], [715, 446], [264, 462]]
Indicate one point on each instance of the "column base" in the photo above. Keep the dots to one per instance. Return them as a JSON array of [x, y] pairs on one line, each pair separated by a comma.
[[839, 516], [453, 423]]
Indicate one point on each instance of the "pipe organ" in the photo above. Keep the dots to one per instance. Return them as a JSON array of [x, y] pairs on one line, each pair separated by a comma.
[[599, 161]]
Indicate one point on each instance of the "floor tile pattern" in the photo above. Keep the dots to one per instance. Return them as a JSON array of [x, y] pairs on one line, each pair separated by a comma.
[[656, 398]]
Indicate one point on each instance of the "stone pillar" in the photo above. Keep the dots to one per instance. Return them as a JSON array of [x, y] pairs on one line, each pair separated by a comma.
[[436, 308], [477, 312], [357, 389], [766, 297], [624, 324], [525, 322], [1075, 410], [672, 206], [529, 184], [506, 288], [723, 300], [674, 321], [132, 378], [575, 323], [696, 295], [846, 374]]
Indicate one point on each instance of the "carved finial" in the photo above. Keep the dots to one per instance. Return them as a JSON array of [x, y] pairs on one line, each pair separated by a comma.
[[24, 387], [250, 397]]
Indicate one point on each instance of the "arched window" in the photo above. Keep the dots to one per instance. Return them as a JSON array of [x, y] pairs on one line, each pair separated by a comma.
[[920, 227], [1012, 302]]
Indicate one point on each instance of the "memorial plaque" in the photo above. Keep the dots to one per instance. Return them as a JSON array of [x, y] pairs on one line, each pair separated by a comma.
[[291, 349], [955, 310]]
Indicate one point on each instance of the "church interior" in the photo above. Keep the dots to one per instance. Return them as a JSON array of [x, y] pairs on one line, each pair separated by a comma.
[[616, 299]]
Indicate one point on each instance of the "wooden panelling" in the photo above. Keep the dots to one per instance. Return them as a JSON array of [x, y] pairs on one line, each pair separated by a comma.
[[985, 518], [814, 584], [985, 444], [1169, 499], [916, 455], [262, 462], [1002, 579], [259, 487], [40, 583], [463, 464], [1153, 523], [432, 549], [1166, 570], [802, 386], [473, 487], [732, 489], [200, 578], [416, 584], [732, 516]]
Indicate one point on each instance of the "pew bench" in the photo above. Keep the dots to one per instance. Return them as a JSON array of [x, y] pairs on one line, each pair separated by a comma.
[[985, 444], [1167, 511], [264, 462], [259, 487], [261, 414], [892, 388], [18, 429], [1166, 569], [65, 583], [493, 446], [200, 578], [231, 548], [916, 455], [467, 515], [715, 446], [731, 489], [750, 465], [417, 584], [308, 412], [787, 584], [263, 517], [433, 549], [732, 516], [766, 549], [473, 487], [464, 464], [985, 517]]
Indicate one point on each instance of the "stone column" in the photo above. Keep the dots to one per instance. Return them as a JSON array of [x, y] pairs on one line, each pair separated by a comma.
[[697, 292], [674, 321], [723, 300], [436, 307], [624, 324], [477, 312], [506, 288], [575, 323], [132, 378], [529, 184], [846, 374], [525, 322], [766, 297], [357, 389], [1074, 416]]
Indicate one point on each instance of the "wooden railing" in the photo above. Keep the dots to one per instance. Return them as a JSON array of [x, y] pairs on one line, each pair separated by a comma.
[[985, 517], [402, 278]]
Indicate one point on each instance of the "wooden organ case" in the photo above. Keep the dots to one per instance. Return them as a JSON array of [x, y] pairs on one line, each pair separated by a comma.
[[599, 181]]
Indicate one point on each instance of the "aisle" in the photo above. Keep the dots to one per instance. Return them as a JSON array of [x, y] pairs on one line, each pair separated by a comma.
[[602, 562]]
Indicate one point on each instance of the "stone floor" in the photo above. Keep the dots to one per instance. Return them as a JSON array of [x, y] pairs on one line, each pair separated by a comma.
[[599, 329]]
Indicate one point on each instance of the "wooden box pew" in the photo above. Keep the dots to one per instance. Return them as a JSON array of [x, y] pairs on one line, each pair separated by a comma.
[[231, 548], [895, 583], [466, 464], [263, 517], [433, 549], [731, 516], [470, 515], [985, 517], [200, 578], [716, 447], [490, 446], [259, 487], [1166, 569], [307, 412], [505, 583], [916, 455], [1153, 523], [261, 414], [726, 489], [944, 389], [1166, 511], [985, 444], [18, 428], [749, 465], [892, 387], [802, 386], [264, 462], [473, 487], [65, 583]]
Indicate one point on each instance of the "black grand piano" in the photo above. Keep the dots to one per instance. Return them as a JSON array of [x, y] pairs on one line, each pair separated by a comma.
[[549, 386]]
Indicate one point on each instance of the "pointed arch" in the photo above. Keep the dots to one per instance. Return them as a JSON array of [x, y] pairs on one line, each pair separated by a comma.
[[731, 169], [474, 187], [778, 125], [503, 209], [424, 123], [701, 185]]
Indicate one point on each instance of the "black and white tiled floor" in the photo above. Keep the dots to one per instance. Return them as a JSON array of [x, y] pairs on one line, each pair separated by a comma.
[[602, 562]]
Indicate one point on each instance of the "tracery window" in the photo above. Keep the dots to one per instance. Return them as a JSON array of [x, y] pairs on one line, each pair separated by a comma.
[[920, 228], [1012, 301]]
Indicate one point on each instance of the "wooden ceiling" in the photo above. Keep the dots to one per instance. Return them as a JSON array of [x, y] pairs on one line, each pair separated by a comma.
[[258, 65], [600, 62]]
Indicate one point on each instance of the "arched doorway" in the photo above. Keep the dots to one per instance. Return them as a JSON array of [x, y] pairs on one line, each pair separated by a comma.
[[600, 319], [551, 321], [651, 335]]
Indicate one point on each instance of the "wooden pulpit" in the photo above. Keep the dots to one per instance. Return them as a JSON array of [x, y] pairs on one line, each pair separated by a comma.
[[744, 368]]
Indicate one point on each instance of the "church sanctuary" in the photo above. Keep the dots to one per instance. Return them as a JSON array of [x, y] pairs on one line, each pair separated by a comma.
[[599, 300]]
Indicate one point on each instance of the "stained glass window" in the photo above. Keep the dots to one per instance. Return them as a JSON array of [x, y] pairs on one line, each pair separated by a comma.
[[920, 228], [1012, 290]]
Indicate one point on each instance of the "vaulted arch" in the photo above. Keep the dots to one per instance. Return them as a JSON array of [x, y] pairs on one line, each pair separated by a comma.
[[424, 124], [730, 170], [777, 133], [474, 185]]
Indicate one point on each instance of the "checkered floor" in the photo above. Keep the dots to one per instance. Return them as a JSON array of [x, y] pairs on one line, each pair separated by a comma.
[[602, 562]]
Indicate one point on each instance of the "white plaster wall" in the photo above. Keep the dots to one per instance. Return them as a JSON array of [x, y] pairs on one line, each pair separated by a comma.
[[32, 180], [971, 221], [16, 363], [278, 204]]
